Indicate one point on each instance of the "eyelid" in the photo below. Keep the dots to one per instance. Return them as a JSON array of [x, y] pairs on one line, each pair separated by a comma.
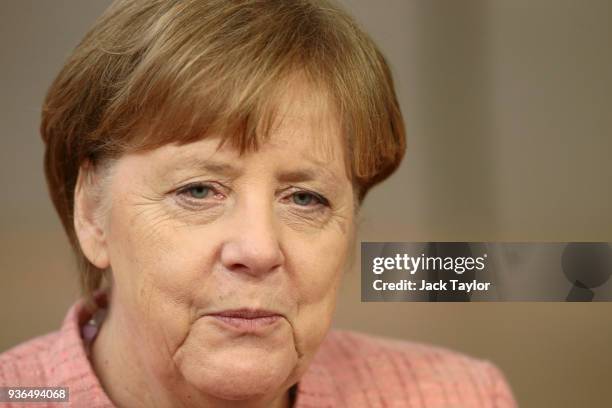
[[216, 187]]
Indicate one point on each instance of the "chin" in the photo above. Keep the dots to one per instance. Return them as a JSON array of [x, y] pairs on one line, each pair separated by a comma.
[[240, 373]]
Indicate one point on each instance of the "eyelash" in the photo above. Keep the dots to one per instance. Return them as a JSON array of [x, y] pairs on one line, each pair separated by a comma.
[[186, 190]]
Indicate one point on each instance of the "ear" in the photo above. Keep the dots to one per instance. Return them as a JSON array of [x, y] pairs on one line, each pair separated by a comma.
[[90, 215]]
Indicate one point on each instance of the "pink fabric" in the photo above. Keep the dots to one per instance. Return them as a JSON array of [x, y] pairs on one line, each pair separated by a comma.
[[349, 370]]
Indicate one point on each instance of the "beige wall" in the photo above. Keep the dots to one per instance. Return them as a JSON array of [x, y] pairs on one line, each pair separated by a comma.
[[507, 107]]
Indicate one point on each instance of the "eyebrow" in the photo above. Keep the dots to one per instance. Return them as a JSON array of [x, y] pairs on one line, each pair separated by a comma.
[[304, 175], [314, 172], [210, 166], [319, 174]]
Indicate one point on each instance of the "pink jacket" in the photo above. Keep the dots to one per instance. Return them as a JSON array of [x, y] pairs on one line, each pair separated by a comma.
[[350, 370]]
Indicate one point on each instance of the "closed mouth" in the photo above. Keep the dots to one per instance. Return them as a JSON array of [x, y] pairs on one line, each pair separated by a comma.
[[247, 320], [246, 313]]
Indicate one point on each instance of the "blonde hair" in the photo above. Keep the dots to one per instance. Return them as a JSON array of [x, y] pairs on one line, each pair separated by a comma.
[[182, 69]]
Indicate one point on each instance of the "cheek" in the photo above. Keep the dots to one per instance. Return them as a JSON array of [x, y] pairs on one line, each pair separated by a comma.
[[149, 249], [158, 268], [318, 265]]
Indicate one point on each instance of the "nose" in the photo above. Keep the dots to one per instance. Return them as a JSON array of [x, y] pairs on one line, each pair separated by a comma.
[[252, 245]]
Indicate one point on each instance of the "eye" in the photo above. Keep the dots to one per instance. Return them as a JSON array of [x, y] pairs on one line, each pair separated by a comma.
[[308, 199], [198, 191]]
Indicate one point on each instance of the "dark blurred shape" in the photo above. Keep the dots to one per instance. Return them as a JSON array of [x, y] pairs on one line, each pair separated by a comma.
[[586, 265]]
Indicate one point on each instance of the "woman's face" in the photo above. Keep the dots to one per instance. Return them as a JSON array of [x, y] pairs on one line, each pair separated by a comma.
[[195, 233]]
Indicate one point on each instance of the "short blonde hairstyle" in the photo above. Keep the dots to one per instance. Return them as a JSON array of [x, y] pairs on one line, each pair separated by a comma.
[[182, 69]]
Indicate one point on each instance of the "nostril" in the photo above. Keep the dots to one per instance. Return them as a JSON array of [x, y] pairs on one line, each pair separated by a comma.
[[239, 267]]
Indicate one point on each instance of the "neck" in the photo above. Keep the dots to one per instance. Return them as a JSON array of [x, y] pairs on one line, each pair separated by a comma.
[[121, 368]]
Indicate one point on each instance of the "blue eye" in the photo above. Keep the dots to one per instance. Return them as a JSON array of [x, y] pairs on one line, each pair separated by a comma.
[[198, 191], [199, 196], [305, 199]]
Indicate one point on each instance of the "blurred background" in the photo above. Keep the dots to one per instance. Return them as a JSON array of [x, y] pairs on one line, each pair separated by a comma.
[[507, 106]]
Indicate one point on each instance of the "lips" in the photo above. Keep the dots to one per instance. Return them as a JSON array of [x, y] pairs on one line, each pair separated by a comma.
[[246, 313], [247, 320]]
